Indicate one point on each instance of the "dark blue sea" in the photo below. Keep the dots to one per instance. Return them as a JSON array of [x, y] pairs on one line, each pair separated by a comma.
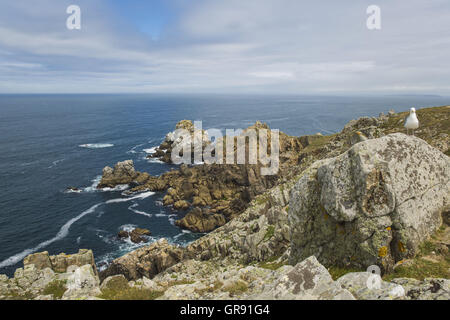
[[50, 142]]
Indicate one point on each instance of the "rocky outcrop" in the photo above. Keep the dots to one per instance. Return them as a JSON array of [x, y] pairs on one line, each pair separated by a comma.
[[122, 174], [428, 289], [81, 282], [147, 261], [308, 280], [173, 140], [137, 235], [222, 191], [60, 263], [261, 233], [370, 286], [374, 204], [31, 282], [201, 220]]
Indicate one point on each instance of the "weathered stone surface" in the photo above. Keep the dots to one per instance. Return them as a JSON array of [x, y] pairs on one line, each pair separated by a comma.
[[374, 204], [146, 261], [137, 235], [41, 260], [429, 289], [114, 282], [174, 141], [259, 234], [82, 283], [123, 173], [369, 286], [308, 280], [199, 220], [60, 262], [32, 280]]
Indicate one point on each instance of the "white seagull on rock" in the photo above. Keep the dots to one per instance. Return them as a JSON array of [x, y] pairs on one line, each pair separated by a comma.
[[411, 122]]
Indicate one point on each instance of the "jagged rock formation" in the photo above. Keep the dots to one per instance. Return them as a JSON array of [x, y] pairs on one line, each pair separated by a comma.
[[172, 141], [146, 261], [60, 262], [45, 277], [371, 198], [137, 235], [308, 280], [259, 234], [123, 173], [374, 204]]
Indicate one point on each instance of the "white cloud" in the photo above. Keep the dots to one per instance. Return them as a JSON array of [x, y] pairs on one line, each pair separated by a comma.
[[279, 46]]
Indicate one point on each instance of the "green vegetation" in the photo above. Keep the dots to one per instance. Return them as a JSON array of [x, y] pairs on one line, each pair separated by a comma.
[[337, 272], [269, 233], [236, 288], [14, 295], [56, 288], [261, 199], [180, 282], [117, 284], [130, 294], [421, 269], [271, 263], [431, 261]]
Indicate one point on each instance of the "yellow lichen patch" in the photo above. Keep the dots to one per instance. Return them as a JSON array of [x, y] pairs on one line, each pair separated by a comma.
[[401, 247], [382, 252], [388, 229]]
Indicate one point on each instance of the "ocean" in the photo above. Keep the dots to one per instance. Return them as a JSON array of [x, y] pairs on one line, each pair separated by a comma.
[[51, 142]]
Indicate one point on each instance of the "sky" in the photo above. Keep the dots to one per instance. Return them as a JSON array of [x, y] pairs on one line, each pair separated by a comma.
[[225, 46]]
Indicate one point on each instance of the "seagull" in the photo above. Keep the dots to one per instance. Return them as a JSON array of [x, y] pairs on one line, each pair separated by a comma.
[[411, 122], [360, 136]]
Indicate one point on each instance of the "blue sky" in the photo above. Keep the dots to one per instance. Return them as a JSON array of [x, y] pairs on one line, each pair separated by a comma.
[[149, 16], [225, 46]]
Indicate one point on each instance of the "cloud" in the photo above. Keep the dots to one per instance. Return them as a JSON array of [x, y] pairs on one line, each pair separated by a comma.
[[268, 46]]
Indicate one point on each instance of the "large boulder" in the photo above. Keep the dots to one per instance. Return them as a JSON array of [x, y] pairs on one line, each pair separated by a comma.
[[82, 283], [123, 173], [137, 235], [370, 286], [308, 280], [428, 289], [201, 220], [60, 263], [147, 261], [373, 204], [174, 140]]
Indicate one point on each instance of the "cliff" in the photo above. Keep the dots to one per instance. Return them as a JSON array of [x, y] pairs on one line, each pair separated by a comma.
[[341, 204]]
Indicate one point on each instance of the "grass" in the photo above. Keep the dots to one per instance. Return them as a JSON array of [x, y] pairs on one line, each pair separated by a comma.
[[236, 288], [269, 233], [56, 288], [429, 263], [130, 294], [421, 269], [180, 282], [337, 272], [118, 289], [14, 295], [271, 264]]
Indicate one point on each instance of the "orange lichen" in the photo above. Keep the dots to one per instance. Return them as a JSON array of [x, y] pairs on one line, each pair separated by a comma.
[[382, 252], [401, 247], [388, 228]]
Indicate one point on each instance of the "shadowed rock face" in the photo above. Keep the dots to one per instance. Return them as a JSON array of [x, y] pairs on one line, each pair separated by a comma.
[[146, 261], [374, 204]]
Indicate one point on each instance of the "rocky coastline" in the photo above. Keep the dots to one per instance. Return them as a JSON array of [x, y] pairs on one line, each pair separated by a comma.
[[340, 204]]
